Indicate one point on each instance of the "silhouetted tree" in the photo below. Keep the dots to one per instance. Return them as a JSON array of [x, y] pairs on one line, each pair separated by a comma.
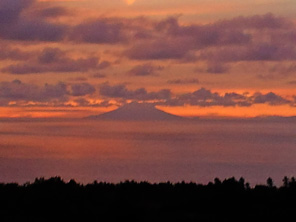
[[292, 182], [247, 186], [286, 182], [242, 182], [269, 182], [48, 199], [217, 181]]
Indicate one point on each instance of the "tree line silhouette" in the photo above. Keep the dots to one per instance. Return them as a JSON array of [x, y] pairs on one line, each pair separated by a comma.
[[229, 200]]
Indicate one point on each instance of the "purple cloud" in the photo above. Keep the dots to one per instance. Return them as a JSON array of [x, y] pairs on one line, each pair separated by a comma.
[[205, 98], [14, 25], [269, 98], [19, 91], [54, 60], [10, 53], [159, 50], [217, 68], [82, 89], [120, 91], [100, 31], [10, 10], [145, 70], [52, 12], [24, 94], [183, 81]]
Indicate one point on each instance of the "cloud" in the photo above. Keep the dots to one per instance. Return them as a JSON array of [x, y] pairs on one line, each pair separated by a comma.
[[183, 81], [255, 52], [269, 98], [293, 82], [100, 31], [202, 97], [82, 89], [104, 65], [51, 12], [10, 10], [99, 76], [217, 68], [220, 44], [10, 53], [159, 50], [205, 98], [267, 21], [48, 94], [250, 38], [55, 60], [15, 25], [87, 103], [19, 91], [284, 70], [145, 70], [120, 91]]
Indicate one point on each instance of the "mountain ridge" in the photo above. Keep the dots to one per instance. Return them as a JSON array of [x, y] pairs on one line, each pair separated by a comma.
[[136, 112]]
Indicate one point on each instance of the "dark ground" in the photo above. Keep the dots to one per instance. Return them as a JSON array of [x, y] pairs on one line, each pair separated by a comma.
[[229, 200]]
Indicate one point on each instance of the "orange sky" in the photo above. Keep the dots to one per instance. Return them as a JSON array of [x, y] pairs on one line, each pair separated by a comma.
[[192, 58]]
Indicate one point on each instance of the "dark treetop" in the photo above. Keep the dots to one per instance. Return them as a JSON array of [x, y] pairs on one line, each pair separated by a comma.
[[229, 200]]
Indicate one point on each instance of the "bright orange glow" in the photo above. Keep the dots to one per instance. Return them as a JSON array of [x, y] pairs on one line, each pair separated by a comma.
[[246, 112], [51, 112]]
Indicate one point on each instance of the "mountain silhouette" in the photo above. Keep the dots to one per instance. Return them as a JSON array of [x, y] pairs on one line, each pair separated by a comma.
[[136, 112]]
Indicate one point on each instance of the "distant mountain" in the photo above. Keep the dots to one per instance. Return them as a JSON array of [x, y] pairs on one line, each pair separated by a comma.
[[136, 112]]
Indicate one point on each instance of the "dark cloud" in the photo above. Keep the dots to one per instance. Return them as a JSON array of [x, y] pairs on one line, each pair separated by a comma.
[[25, 93], [145, 70], [269, 98], [8, 52], [267, 21], [204, 98], [183, 81], [78, 79], [34, 30], [99, 75], [283, 69], [54, 60], [19, 91], [293, 82], [52, 12], [100, 31], [202, 36], [217, 68], [158, 50], [10, 10], [120, 91], [201, 97], [254, 38], [255, 52], [82, 89], [15, 25], [104, 65]]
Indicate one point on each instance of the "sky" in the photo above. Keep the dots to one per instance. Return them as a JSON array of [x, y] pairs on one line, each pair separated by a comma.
[[211, 58]]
